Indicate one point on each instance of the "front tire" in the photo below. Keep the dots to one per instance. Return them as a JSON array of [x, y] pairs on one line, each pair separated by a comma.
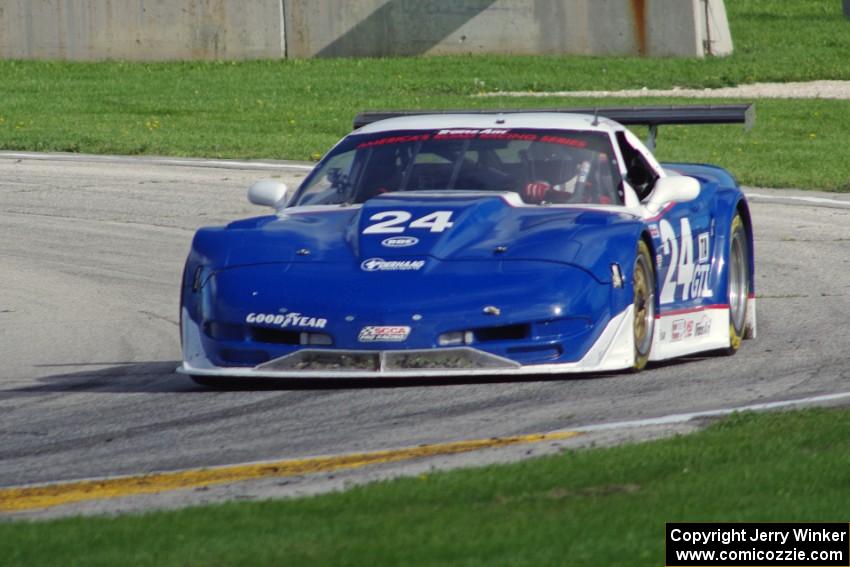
[[643, 302], [738, 283]]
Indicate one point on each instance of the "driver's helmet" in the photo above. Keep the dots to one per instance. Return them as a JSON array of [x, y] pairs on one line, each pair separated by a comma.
[[550, 162]]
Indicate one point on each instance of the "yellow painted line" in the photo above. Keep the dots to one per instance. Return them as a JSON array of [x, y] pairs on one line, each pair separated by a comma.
[[48, 495]]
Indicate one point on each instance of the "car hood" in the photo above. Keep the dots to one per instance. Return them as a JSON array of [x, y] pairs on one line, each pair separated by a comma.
[[400, 231]]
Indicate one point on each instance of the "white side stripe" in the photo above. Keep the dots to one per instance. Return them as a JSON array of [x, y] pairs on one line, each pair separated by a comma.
[[685, 417], [143, 160], [813, 200]]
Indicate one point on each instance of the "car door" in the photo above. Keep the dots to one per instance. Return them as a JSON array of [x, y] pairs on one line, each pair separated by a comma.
[[683, 233]]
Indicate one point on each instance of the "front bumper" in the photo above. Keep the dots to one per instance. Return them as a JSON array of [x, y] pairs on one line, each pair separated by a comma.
[[613, 350]]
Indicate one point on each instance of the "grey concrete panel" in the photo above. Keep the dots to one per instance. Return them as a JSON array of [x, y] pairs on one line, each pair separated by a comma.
[[673, 28], [377, 28], [222, 29], [141, 30], [614, 26]]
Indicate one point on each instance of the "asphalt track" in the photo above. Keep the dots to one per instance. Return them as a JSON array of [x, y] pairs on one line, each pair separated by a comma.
[[91, 251]]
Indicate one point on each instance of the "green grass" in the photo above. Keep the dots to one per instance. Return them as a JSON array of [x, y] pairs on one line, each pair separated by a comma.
[[588, 507], [298, 109]]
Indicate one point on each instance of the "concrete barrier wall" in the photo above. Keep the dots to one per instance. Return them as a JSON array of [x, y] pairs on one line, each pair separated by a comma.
[[249, 29], [373, 28], [141, 29]]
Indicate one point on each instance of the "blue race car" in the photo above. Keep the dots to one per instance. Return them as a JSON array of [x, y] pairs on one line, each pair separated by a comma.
[[454, 244]]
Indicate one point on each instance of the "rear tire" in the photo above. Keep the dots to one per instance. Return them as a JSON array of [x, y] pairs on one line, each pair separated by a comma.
[[643, 302], [738, 283]]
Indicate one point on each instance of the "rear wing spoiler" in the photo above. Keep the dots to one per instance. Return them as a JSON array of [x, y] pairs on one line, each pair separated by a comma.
[[649, 116]]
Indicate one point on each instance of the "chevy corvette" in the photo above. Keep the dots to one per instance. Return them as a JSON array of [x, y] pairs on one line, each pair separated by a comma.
[[460, 243]]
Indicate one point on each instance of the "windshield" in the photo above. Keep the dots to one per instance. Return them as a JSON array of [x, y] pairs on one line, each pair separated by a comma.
[[542, 166]]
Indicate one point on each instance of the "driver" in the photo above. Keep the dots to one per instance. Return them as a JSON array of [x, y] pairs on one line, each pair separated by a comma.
[[558, 177], [564, 192]]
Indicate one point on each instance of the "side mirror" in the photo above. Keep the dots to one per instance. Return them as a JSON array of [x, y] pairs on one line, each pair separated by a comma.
[[675, 188], [269, 193]]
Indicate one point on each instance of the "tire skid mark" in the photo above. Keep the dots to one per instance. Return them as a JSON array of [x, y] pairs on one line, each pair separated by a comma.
[[77, 443]]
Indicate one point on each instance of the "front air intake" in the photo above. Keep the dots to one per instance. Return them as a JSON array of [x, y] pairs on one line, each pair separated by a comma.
[[504, 333], [328, 361]]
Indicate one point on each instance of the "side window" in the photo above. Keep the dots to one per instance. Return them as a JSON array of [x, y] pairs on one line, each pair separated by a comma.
[[639, 172], [332, 184]]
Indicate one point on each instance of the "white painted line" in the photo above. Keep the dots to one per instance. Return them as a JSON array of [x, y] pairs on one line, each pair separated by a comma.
[[685, 417], [813, 200], [180, 162], [235, 164]]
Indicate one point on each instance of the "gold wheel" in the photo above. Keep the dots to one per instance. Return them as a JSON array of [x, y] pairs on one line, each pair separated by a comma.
[[643, 286], [738, 287]]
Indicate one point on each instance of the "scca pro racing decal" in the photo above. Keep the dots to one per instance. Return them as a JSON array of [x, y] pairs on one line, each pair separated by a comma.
[[395, 334], [681, 329], [381, 265], [287, 320], [400, 241], [685, 327]]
